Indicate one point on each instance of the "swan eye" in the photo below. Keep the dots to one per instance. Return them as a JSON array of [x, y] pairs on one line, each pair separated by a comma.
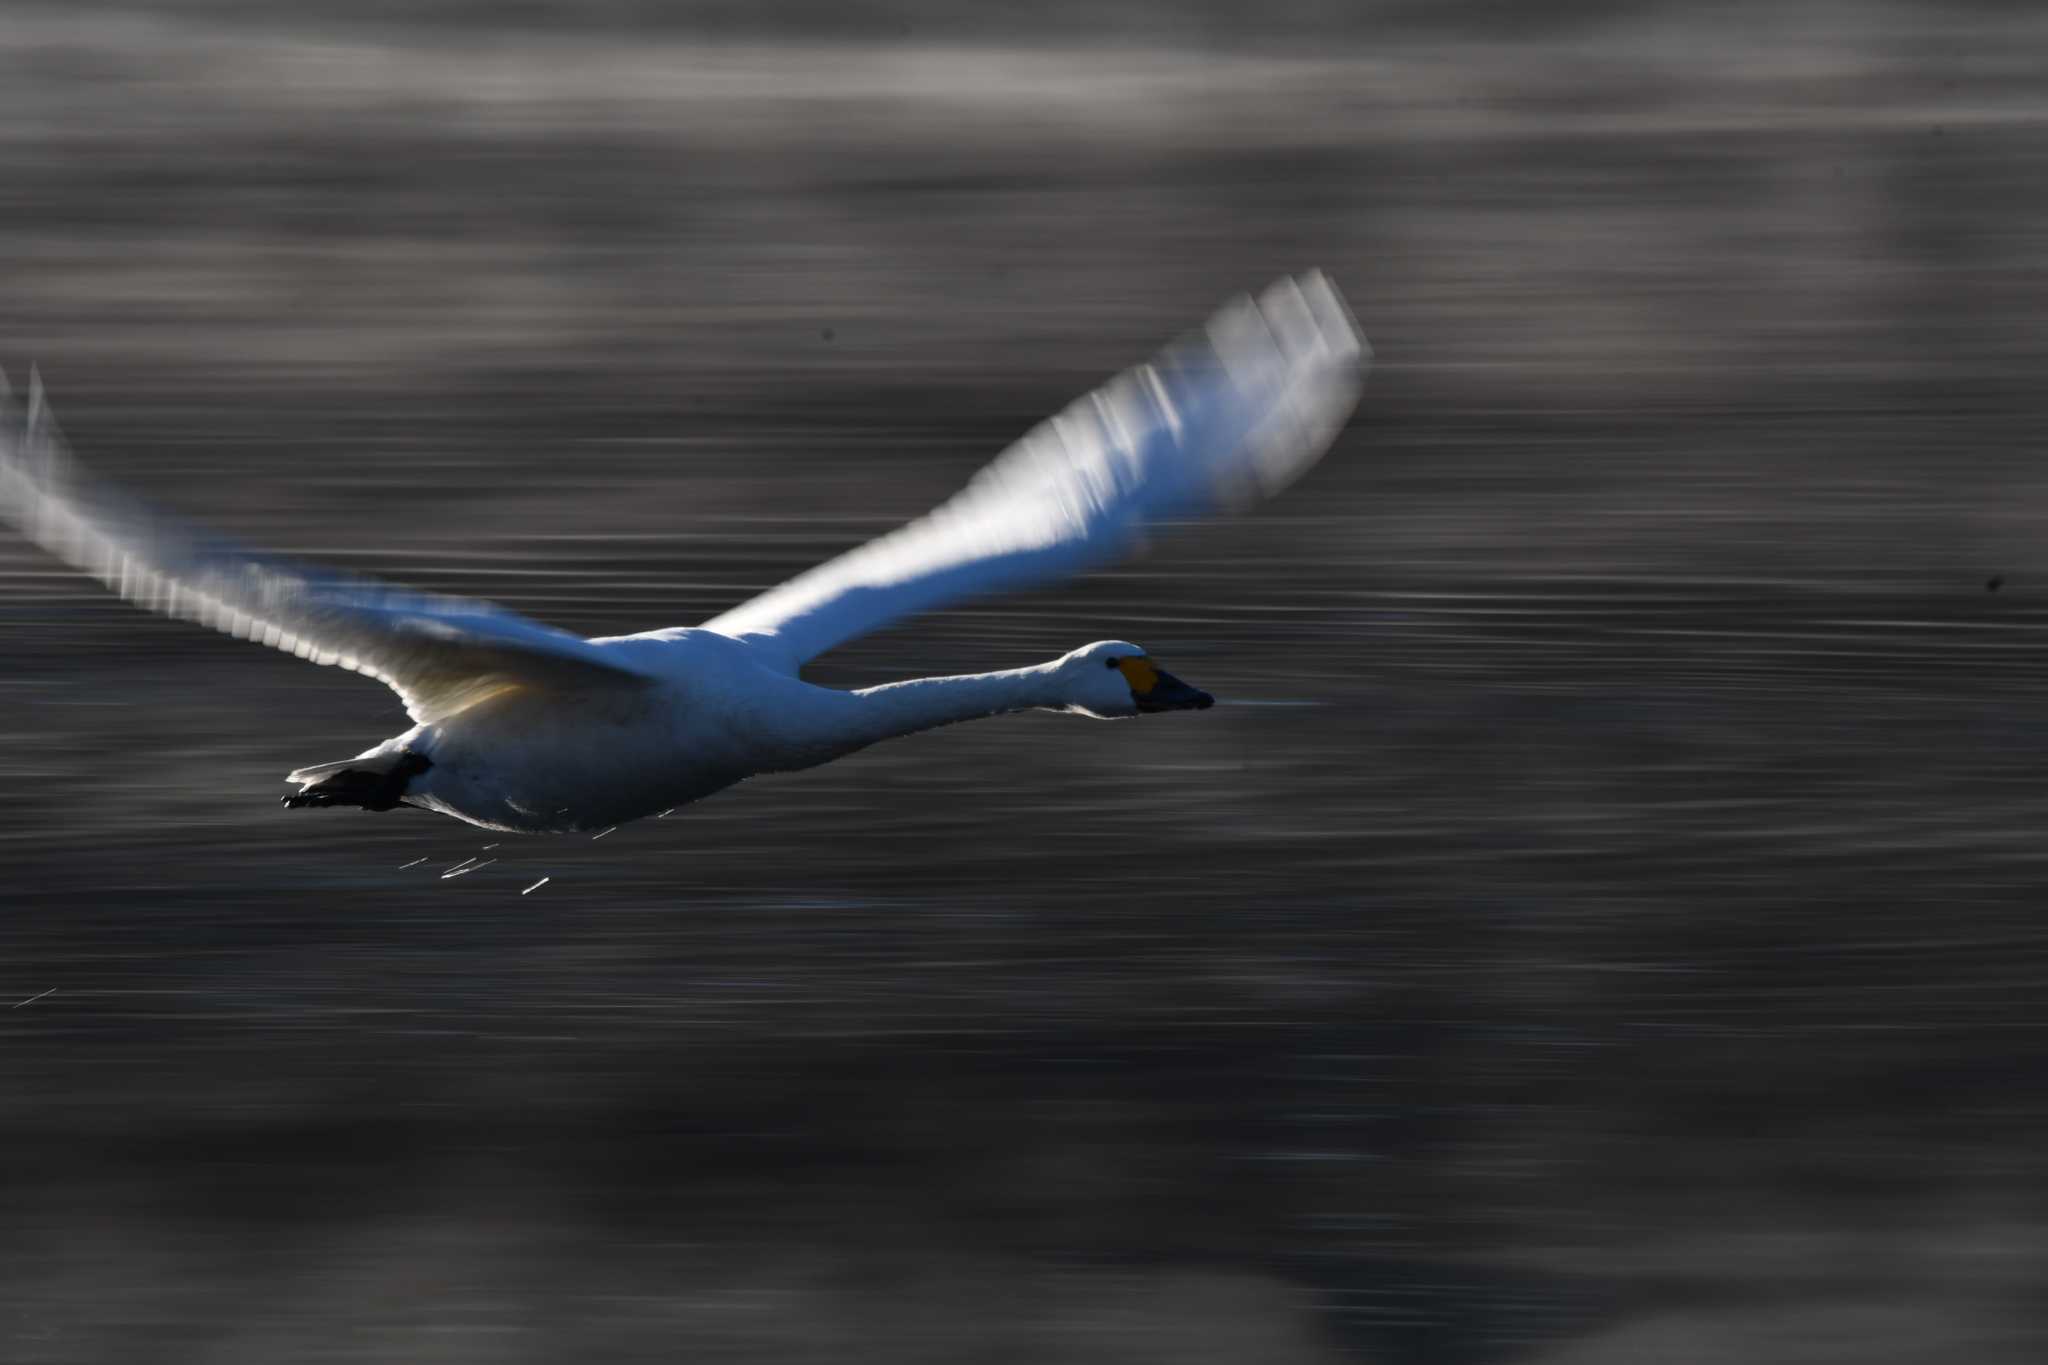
[[1110, 663]]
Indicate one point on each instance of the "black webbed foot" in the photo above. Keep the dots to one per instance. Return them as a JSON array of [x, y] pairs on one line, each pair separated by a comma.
[[357, 787]]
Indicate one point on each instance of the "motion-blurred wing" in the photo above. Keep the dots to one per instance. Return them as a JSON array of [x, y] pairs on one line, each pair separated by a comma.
[[440, 654], [1218, 420]]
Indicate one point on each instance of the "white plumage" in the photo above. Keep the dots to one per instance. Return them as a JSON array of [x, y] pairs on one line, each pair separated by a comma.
[[523, 727]]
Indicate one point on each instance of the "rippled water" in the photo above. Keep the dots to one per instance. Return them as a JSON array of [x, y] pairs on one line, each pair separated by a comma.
[[1601, 920]]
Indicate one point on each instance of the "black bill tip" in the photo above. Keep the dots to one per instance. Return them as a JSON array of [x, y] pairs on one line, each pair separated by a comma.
[[1171, 694]]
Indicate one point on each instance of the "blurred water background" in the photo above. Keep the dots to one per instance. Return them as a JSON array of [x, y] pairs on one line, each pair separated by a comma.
[[1603, 927]]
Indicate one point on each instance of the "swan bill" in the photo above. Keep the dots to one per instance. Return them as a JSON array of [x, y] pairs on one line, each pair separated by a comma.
[[1154, 689]]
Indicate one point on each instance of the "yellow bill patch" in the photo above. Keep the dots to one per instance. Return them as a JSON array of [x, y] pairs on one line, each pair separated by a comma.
[[1140, 674]]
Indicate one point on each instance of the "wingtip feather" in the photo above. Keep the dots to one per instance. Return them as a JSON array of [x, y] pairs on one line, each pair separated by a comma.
[[1312, 304], [1333, 313]]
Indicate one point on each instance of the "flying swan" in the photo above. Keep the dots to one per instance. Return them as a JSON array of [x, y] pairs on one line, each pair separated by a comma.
[[524, 728]]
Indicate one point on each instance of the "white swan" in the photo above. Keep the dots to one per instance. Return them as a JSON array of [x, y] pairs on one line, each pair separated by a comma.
[[521, 727]]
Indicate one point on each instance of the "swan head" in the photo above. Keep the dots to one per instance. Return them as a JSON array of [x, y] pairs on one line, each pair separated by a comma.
[[1111, 679]]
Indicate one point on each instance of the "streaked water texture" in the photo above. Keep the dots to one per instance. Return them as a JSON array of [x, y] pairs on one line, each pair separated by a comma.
[[1601, 923]]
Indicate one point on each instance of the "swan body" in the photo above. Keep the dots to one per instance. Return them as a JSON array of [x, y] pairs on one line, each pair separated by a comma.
[[525, 762], [523, 728]]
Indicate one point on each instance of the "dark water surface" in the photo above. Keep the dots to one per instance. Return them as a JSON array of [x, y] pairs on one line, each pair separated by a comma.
[[1601, 924]]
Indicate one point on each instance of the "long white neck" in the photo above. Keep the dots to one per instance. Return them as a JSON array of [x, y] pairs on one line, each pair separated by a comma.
[[904, 708]]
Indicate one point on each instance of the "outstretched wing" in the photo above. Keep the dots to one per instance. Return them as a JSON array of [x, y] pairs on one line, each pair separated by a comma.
[[440, 654], [1227, 416]]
